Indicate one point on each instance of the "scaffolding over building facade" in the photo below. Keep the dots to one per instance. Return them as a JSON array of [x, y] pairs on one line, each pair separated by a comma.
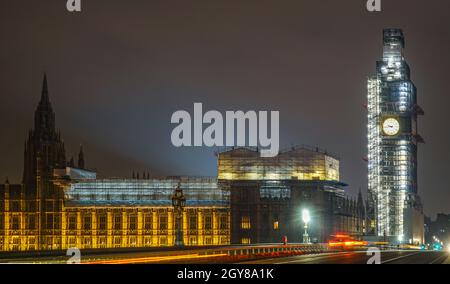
[[392, 142], [300, 163]]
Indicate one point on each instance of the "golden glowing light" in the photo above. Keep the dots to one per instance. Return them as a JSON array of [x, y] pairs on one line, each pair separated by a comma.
[[154, 259]]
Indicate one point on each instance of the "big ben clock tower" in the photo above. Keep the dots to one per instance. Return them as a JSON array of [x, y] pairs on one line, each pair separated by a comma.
[[392, 145]]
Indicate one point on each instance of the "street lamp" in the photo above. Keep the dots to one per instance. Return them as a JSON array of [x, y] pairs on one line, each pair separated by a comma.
[[306, 218], [178, 203]]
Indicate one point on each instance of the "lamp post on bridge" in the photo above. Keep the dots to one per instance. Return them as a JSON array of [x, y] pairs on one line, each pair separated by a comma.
[[306, 219], [178, 203]]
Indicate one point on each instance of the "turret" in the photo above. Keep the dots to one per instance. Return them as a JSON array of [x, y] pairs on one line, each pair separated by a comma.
[[81, 158]]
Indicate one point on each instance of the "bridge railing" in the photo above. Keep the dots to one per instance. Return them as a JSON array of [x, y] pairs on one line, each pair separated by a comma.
[[264, 250]]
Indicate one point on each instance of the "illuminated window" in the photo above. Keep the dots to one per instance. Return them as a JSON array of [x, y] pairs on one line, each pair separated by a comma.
[[275, 225], [72, 222], [223, 240], [163, 222], [16, 244], [102, 222], [163, 241], [245, 223], [245, 241], [192, 222], [373, 223], [193, 241], [133, 241], [102, 242], [87, 242], [132, 222], [117, 222], [87, 222], [208, 222], [147, 221], [223, 225]]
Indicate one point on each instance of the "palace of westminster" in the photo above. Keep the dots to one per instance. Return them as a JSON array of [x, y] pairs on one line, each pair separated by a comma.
[[253, 199]]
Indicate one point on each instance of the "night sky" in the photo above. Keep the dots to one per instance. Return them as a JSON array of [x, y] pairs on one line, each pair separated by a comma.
[[119, 69]]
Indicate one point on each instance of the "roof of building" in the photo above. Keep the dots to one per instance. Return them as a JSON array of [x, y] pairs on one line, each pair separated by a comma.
[[282, 152]]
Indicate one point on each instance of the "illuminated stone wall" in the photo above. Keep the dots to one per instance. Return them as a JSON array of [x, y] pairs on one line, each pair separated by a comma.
[[54, 224]]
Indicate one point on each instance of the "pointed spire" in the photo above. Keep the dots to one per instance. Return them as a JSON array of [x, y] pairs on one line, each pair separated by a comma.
[[71, 163], [81, 158], [360, 199], [44, 94], [7, 180]]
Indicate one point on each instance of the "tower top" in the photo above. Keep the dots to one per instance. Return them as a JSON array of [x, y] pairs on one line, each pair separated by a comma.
[[44, 94], [44, 144], [393, 37], [81, 158], [44, 117]]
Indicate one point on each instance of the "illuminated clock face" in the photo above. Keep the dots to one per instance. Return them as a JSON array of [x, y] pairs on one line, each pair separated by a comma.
[[391, 126]]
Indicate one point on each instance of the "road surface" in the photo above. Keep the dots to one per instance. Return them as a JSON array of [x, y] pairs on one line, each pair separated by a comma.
[[195, 257], [361, 257]]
